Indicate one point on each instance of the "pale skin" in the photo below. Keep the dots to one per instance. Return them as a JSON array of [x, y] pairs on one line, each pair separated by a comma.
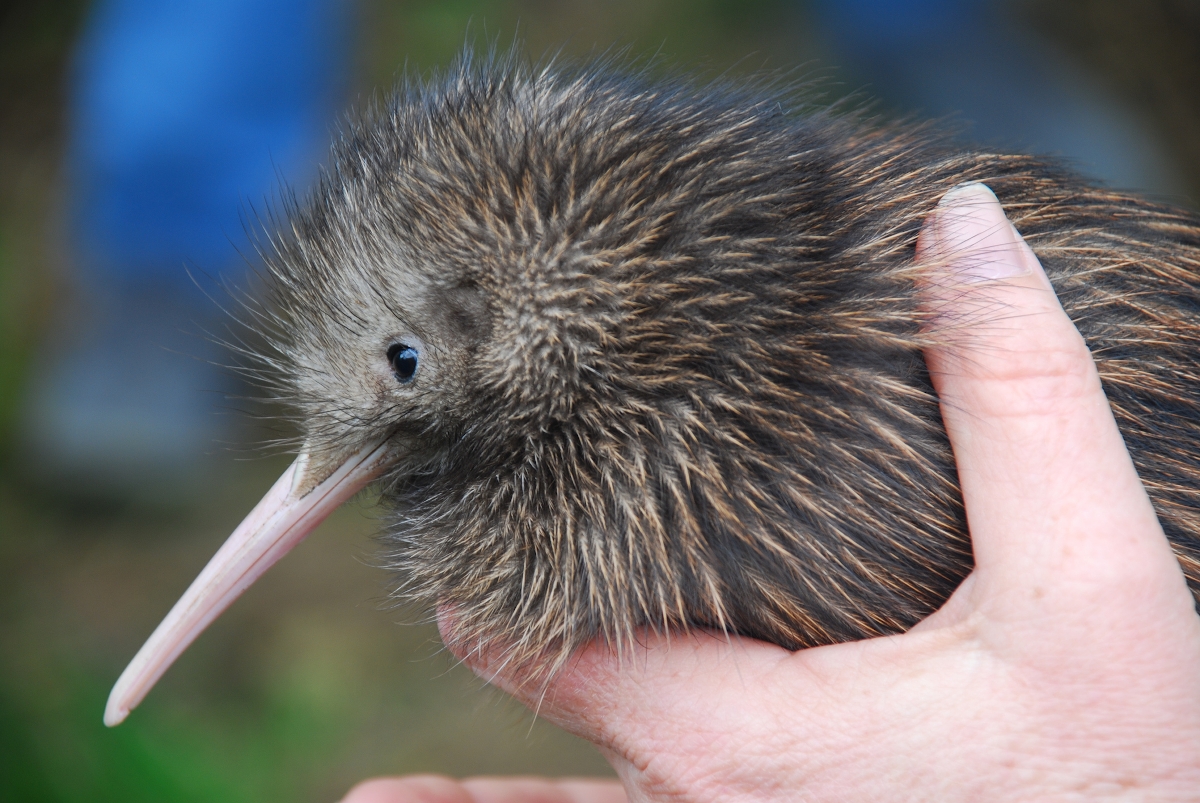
[[1066, 667]]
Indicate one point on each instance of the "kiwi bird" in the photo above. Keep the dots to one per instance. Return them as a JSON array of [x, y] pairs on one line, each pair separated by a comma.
[[625, 353]]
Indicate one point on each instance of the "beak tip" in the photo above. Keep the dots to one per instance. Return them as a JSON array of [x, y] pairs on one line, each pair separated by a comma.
[[114, 714]]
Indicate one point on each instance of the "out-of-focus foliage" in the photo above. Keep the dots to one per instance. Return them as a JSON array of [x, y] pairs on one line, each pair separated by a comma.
[[1148, 51], [34, 38], [713, 35]]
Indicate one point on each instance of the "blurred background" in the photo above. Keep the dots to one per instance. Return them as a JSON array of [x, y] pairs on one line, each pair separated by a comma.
[[140, 142]]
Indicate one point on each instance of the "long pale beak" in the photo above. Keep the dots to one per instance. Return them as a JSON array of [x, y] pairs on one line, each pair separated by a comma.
[[295, 505]]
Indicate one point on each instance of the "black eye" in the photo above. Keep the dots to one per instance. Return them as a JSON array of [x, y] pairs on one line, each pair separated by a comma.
[[404, 361]]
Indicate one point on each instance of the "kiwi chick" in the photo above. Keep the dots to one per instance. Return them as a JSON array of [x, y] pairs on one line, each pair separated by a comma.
[[645, 355], [664, 352]]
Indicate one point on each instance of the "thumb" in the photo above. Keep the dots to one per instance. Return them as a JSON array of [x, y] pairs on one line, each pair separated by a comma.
[[1053, 501]]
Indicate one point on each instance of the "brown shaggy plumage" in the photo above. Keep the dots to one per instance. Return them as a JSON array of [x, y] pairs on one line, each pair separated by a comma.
[[670, 367]]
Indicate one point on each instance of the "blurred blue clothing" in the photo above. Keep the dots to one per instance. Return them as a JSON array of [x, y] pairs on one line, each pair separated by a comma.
[[884, 23], [185, 116]]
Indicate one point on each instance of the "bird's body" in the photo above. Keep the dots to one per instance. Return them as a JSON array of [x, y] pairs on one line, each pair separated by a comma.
[[643, 355], [671, 367]]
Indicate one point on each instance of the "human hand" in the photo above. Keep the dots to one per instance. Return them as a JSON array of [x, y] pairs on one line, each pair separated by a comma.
[[1066, 666]]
